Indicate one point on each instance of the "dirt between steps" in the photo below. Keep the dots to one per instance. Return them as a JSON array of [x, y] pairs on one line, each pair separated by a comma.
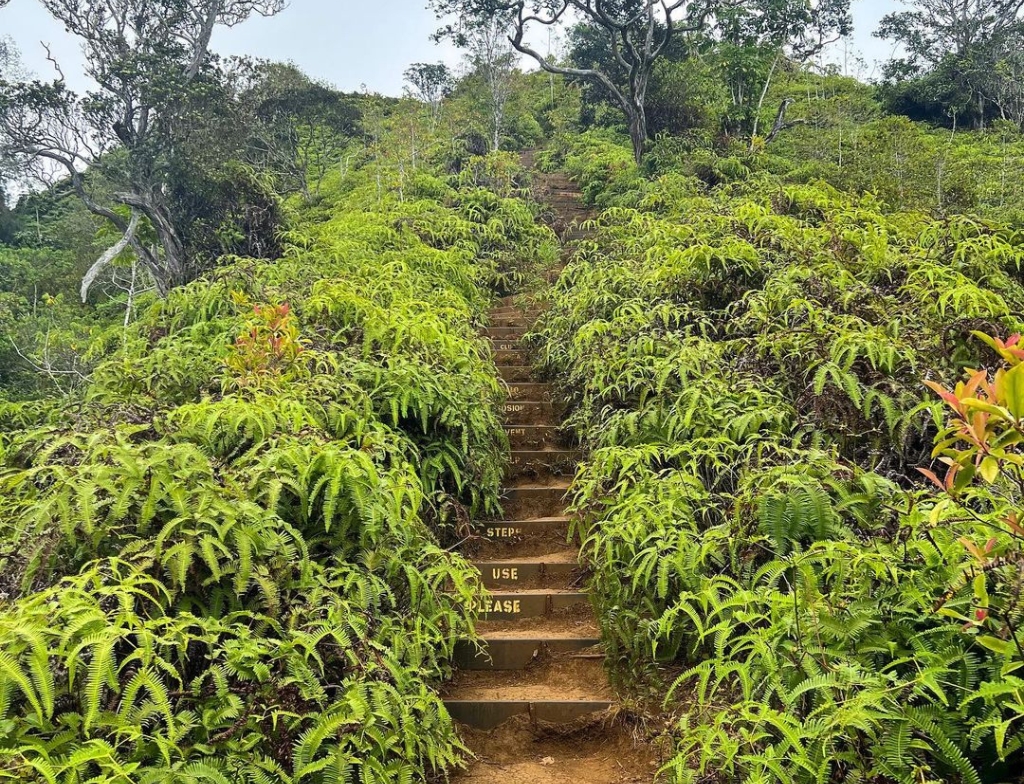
[[600, 751], [578, 622], [563, 678]]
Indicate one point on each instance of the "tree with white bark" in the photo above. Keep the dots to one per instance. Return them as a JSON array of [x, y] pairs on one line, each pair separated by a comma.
[[152, 65], [493, 60], [430, 83], [637, 33]]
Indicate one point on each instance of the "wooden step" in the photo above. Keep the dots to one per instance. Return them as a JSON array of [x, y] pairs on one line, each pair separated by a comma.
[[543, 464], [562, 678], [530, 603], [557, 691], [508, 345], [555, 570], [528, 412], [530, 390], [504, 333], [505, 311], [513, 374], [528, 500], [513, 318], [488, 714], [518, 538], [519, 357], [528, 438], [517, 653]]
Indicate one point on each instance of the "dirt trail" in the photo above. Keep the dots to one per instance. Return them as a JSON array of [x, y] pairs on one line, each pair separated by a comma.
[[535, 705]]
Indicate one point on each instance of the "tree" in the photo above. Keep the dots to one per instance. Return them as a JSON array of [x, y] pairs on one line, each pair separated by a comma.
[[155, 75], [430, 83], [977, 42], [10, 67], [1003, 83], [8, 54], [752, 41], [635, 34], [299, 127], [492, 58]]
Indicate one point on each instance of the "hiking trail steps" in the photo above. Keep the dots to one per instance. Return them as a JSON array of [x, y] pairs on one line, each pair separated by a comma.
[[535, 704]]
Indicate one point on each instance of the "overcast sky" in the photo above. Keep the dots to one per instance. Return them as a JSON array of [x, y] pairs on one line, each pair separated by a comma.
[[345, 42]]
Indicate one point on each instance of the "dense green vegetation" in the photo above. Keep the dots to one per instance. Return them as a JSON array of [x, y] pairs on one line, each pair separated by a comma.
[[222, 562], [745, 359], [236, 461]]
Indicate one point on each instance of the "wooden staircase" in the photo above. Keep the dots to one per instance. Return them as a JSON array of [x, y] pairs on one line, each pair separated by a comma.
[[540, 658], [534, 702]]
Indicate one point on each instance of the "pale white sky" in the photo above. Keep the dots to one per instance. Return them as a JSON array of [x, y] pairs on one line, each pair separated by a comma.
[[345, 42]]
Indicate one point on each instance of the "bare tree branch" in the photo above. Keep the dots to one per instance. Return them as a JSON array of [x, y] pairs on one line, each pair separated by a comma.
[[109, 255]]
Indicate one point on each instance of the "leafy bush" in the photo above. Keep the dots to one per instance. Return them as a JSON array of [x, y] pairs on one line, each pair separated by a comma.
[[223, 559], [745, 366]]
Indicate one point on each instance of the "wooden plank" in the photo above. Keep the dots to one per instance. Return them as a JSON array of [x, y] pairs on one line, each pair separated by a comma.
[[529, 501], [516, 654], [500, 606], [513, 373], [528, 390], [543, 463], [504, 333], [512, 531], [507, 344], [527, 412], [497, 574], [515, 357], [525, 438], [493, 713]]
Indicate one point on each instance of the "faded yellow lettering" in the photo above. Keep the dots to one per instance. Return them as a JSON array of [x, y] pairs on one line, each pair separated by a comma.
[[506, 606], [497, 533]]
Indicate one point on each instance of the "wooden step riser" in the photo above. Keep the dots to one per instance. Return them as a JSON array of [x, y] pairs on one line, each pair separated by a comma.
[[505, 333], [528, 412], [526, 390], [511, 344], [524, 504], [497, 540], [516, 357], [513, 320], [513, 606], [491, 714], [517, 654], [513, 374], [543, 465], [526, 438], [534, 574], [506, 311]]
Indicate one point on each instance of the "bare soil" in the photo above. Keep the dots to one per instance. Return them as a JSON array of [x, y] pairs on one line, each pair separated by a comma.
[[567, 624], [564, 678], [602, 751]]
